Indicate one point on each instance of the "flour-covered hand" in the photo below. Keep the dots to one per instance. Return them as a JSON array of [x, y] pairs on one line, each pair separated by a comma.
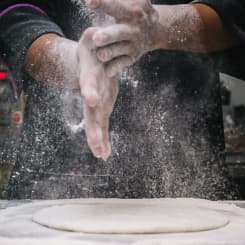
[[99, 93], [135, 33]]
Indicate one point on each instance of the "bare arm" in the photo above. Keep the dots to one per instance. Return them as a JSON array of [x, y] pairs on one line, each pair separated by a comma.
[[193, 27], [142, 27], [64, 63], [196, 28], [53, 60]]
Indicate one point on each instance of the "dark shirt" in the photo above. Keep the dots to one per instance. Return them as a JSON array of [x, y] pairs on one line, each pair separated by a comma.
[[166, 128], [232, 14]]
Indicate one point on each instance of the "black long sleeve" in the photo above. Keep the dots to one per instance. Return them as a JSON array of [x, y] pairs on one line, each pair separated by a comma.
[[21, 24]]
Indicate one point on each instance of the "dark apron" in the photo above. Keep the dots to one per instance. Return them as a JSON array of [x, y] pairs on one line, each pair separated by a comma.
[[166, 133]]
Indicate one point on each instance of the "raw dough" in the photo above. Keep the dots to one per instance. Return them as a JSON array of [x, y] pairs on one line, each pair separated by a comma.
[[127, 216]]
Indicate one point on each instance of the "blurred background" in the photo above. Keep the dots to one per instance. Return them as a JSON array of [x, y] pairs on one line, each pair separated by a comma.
[[233, 97], [11, 120]]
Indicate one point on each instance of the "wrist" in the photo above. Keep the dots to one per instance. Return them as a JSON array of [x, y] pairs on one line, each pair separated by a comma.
[[163, 27]]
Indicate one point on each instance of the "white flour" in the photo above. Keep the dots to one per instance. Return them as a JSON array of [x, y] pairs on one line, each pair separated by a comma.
[[17, 228]]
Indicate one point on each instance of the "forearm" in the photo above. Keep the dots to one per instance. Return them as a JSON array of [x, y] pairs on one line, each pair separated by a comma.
[[53, 60], [196, 28]]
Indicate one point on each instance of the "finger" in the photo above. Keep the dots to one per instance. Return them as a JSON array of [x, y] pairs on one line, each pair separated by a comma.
[[93, 131], [116, 8], [113, 51], [117, 65], [89, 89], [87, 36], [105, 137], [113, 91], [89, 69], [112, 34], [107, 109]]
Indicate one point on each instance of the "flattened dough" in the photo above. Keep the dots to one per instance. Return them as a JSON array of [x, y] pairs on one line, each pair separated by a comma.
[[127, 216]]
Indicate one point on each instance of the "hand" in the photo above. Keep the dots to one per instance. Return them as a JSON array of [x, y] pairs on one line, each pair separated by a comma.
[[99, 93], [136, 32]]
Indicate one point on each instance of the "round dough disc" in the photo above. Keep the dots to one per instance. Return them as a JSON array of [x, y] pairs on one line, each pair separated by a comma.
[[133, 217]]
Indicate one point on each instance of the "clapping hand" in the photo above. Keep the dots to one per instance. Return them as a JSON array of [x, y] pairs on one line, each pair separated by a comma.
[[99, 93], [134, 34]]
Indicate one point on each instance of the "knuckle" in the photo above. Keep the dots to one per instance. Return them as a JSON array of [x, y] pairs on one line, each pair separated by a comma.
[[118, 65], [91, 99], [87, 35], [93, 139], [134, 53], [102, 53], [110, 53], [87, 32], [110, 71], [137, 12]]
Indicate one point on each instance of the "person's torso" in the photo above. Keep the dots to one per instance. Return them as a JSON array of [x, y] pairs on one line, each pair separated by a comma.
[[166, 130]]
